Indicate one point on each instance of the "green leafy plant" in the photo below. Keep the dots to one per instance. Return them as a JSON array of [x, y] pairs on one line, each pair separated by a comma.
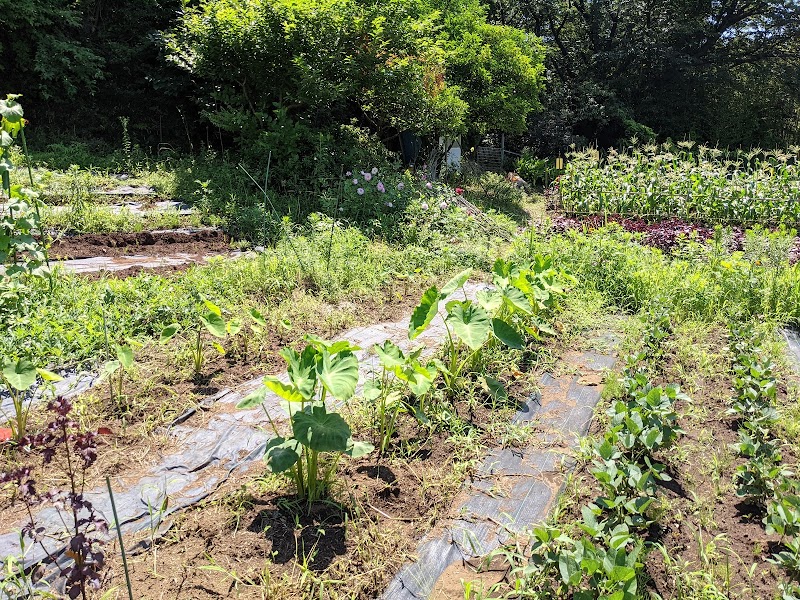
[[783, 516], [115, 371], [210, 321], [18, 377], [469, 326], [322, 371], [410, 373]]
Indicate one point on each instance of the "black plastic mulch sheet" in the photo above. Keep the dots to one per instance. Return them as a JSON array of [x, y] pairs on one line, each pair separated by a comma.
[[514, 488]]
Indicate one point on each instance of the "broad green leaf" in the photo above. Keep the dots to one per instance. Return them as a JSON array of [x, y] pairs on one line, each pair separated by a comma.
[[11, 110], [302, 370], [338, 373], [168, 332], [234, 326], [125, 356], [332, 347], [218, 347], [490, 300], [507, 334], [214, 324], [110, 368], [496, 389], [287, 392], [455, 283], [516, 300], [569, 569], [424, 313], [48, 375], [253, 399], [372, 390], [213, 308], [320, 430], [281, 454], [258, 317], [470, 323], [20, 375], [390, 355], [359, 449]]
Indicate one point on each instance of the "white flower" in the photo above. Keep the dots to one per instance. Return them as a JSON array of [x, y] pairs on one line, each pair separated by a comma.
[[355, 181], [374, 170], [348, 174], [401, 186], [389, 204], [424, 206], [443, 205], [429, 185]]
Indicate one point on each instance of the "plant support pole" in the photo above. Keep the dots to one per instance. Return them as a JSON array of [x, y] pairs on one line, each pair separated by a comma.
[[119, 536]]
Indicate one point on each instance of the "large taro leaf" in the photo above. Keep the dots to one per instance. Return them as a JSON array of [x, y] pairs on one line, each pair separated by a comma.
[[332, 347], [214, 324], [20, 375], [390, 355], [490, 300], [320, 430], [507, 334], [338, 373], [302, 370], [515, 299], [424, 313], [282, 454], [470, 323], [455, 283], [358, 449]]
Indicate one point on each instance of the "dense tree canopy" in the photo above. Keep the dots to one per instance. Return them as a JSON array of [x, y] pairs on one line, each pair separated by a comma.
[[722, 70], [725, 71]]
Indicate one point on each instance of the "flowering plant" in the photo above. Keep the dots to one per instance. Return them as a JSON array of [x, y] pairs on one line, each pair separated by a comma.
[[370, 194]]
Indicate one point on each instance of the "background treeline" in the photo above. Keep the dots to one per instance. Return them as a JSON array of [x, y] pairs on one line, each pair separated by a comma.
[[308, 77]]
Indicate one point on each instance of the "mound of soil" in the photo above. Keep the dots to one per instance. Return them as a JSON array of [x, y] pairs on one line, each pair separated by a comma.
[[151, 243]]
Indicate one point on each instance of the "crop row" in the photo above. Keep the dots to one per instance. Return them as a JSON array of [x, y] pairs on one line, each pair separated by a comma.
[[513, 313], [763, 481], [601, 555], [667, 182]]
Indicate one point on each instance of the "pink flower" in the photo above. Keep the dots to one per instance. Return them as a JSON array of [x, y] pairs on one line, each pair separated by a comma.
[[348, 174], [380, 187], [424, 206], [429, 185], [443, 205], [459, 191], [355, 181], [360, 191], [374, 170], [367, 176], [401, 186]]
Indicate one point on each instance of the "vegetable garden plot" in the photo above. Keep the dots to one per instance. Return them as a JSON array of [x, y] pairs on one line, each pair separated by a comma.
[[754, 188], [513, 488], [232, 439]]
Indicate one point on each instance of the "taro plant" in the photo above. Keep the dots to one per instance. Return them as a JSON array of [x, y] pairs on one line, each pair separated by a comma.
[[115, 371], [321, 372], [18, 377], [410, 372], [210, 321], [468, 326]]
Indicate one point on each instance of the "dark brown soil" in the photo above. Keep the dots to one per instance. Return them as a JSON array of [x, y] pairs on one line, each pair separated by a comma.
[[88, 245], [351, 545]]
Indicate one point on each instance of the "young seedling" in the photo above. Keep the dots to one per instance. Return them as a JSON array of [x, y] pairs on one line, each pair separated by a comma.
[[210, 321]]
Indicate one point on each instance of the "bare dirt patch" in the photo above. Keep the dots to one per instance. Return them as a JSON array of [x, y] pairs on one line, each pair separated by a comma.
[[151, 243]]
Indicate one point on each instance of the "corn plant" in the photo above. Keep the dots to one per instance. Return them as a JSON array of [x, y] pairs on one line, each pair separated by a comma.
[[321, 372], [760, 187]]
